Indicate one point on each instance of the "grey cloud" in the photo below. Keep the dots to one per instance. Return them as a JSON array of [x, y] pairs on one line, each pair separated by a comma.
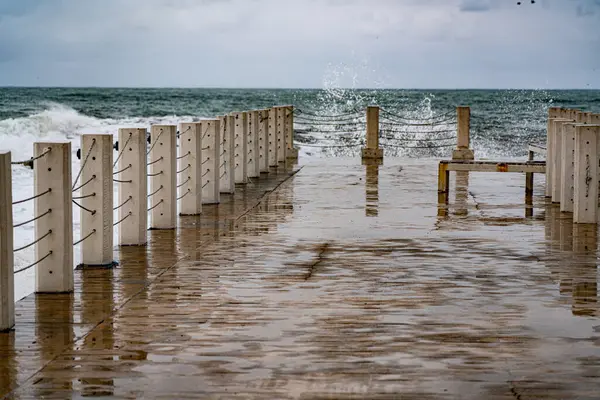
[[18, 8], [304, 43], [475, 6], [588, 8]]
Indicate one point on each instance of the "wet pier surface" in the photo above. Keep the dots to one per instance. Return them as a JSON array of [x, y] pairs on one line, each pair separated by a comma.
[[345, 282]]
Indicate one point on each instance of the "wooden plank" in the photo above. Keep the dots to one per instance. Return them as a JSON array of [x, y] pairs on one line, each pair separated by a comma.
[[538, 167]]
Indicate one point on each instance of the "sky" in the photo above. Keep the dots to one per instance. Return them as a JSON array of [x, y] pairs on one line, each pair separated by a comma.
[[301, 43]]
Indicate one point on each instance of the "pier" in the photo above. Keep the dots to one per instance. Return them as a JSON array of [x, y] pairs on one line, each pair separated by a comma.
[[322, 278]]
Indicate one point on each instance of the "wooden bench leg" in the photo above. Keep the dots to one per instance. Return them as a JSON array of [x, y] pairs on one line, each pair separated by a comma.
[[443, 178], [529, 178]]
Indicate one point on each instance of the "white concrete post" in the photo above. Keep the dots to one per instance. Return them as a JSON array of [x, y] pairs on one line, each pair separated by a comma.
[[190, 168], [585, 207], [292, 152], [556, 166], [252, 146], [133, 187], [463, 144], [372, 151], [273, 157], [97, 196], [281, 138], [7, 283], [263, 141], [240, 129], [227, 158], [549, 156], [567, 165], [553, 113], [52, 172], [211, 152], [162, 160]]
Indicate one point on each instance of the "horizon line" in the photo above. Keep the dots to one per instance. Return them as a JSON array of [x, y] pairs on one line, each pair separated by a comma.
[[285, 88]]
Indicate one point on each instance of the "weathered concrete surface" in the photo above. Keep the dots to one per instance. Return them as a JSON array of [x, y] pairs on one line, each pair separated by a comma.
[[337, 285]]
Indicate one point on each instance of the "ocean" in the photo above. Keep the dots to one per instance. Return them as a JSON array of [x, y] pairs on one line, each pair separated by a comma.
[[330, 122]]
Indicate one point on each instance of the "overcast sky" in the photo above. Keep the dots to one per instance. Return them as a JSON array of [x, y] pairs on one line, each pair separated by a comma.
[[301, 43]]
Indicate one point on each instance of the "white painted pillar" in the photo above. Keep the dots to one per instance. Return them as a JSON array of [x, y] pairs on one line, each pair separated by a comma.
[[162, 159], [263, 141], [585, 207], [292, 152], [556, 167], [240, 129], [463, 143], [133, 187], [190, 168], [273, 137], [227, 176], [97, 196], [567, 164], [7, 283], [252, 149], [54, 274], [281, 145], [211, 152], [553, 113]]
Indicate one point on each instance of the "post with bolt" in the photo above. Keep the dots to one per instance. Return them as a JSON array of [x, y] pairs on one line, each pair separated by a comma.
[[7, 285], [210, 161], [567, 172], [96, 200], [372, 151], [585, 199], [463, 145], [272, 135], [556, 160], [54, 188], [133, 187], [553, 113], [281, 137], [263, 141], [227, 158], [190, 168], [292, 152], [253, 159], [162, 160], [241, 144]]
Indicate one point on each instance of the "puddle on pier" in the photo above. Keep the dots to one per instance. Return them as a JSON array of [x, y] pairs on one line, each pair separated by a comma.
[[346, 282]]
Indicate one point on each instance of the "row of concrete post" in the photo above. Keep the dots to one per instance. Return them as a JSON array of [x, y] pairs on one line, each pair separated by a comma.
[[463, 150], [572, 162], [180, 169]]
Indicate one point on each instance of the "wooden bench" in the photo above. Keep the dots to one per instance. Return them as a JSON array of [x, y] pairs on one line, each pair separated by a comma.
[[527, 167]]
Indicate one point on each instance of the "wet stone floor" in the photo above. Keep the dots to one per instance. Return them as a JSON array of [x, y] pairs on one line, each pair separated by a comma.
[[343, 282]]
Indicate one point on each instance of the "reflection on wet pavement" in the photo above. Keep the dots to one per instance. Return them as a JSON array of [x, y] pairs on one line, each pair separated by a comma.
[[348, 281]]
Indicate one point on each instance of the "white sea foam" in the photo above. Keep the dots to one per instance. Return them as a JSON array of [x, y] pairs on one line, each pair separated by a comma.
[[56, 123]]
